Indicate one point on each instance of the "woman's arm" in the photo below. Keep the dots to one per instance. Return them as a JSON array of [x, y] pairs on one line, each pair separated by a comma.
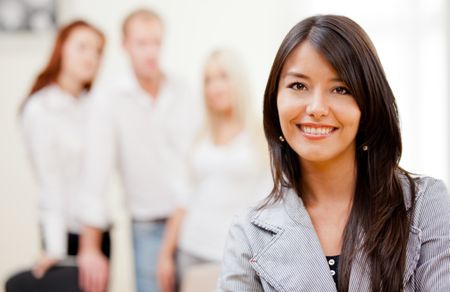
[[40, 135], [98, 165], [433, 219], [93, 264]]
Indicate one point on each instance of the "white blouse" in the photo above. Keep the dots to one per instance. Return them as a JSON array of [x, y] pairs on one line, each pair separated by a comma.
[[225, 179], [53, 126]]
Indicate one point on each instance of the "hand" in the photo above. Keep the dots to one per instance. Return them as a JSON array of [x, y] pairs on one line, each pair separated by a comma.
[[43, 265], [94, 270], [166, 273]]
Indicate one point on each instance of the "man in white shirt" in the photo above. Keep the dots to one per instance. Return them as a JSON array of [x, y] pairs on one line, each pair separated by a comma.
[[143, 124]]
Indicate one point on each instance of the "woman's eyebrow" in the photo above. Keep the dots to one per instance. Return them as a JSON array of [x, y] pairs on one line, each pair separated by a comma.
[[337, 79], [294, 73], [297, 74]]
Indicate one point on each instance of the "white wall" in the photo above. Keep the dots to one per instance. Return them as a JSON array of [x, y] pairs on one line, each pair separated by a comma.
[[411, 38], [20, 56], [447, 9]]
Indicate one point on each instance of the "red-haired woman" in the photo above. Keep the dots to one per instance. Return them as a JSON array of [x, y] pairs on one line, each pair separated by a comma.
[[53, 122]]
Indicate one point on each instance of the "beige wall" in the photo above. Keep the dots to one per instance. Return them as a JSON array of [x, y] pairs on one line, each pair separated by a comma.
[[448, 76], [17, 201]]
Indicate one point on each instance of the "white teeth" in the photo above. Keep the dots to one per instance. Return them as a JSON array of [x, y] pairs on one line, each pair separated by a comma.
[[316, 131]]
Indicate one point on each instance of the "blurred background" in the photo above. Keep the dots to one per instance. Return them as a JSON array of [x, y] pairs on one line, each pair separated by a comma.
[[412, 38]]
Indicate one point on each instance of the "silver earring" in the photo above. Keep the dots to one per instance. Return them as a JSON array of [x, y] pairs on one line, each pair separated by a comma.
[[365, 147], [281, 138]]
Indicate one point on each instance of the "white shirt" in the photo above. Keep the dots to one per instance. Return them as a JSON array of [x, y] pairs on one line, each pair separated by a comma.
[[225, 179], [53, 126], [144, 140]]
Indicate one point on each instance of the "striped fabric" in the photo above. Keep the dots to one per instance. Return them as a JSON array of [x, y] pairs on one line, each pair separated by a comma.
[[277, 249]]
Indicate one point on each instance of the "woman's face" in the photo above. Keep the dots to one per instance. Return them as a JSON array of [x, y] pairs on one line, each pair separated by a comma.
[[81, 54], [217, 88], [318, 115]]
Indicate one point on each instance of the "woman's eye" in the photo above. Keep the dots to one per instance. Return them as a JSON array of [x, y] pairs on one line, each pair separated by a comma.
[[297, 86], [341, 90]]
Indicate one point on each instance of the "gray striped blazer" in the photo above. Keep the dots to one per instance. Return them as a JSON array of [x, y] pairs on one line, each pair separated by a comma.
[[277, 249]]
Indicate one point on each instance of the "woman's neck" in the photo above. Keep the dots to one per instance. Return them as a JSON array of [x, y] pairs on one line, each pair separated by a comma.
[[70, 85], [224, 127], [329, 183]]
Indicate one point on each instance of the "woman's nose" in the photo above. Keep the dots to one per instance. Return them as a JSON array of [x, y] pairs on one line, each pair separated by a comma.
[[318, 105]]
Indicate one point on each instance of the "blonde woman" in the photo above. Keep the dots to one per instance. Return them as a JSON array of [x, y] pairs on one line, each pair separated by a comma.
[[227, 171]]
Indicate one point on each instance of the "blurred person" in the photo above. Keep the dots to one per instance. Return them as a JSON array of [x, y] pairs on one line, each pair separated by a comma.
[[342, 215], [53, 123], [141, 122], [227, 168]]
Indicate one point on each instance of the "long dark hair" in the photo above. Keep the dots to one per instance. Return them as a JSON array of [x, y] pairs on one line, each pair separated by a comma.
[[378, 222], [51, 71]]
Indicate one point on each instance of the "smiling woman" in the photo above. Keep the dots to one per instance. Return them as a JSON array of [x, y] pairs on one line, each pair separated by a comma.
[[342, 215]]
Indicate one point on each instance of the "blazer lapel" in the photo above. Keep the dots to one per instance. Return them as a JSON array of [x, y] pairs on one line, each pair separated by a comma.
[[293, 260]]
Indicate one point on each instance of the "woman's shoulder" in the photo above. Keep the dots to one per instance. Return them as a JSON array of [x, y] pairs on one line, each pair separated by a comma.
[[431, 198], [423, 186], [43, 100], [265, 216], [42, 108], [35, 106], [429, 188], [426, 184]]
